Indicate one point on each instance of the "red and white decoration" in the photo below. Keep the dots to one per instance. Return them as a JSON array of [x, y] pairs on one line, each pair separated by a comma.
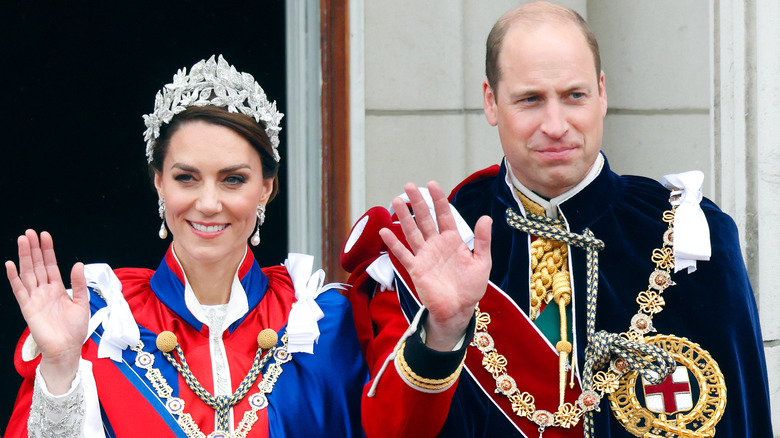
[[670, 396]]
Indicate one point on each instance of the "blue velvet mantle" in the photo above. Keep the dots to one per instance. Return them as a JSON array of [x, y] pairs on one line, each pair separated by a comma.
[[713, 307]]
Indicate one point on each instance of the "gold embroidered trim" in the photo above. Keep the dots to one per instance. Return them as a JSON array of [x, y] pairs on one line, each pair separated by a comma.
[[422, 382]]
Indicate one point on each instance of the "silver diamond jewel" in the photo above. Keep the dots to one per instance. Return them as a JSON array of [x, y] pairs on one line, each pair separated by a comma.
[[212, 82]]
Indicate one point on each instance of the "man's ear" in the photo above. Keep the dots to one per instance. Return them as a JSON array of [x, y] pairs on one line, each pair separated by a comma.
[[489, 103], [603, 95]]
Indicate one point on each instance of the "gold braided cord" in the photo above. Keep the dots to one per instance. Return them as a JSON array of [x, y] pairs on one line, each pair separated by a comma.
[[422, 382], [548, 259]]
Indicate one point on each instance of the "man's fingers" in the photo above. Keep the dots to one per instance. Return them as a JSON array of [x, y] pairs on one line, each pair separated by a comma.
[[422, 215], [482, 236], [396, 247], [441, 205], [408, 225]]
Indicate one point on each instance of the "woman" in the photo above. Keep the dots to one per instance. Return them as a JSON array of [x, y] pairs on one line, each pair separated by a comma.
[[209, 344]]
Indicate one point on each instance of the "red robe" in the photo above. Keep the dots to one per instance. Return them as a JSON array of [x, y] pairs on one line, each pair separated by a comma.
[[308, 398]]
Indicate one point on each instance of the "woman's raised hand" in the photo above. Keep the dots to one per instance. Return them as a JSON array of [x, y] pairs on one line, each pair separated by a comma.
[[58, 324], [449, 278]]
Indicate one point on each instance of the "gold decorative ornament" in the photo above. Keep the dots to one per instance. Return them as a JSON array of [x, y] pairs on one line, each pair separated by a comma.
[[550, 282], [175, 405], [618, 382], [267, 338], [696, 422], [523, 403], [166, 341]]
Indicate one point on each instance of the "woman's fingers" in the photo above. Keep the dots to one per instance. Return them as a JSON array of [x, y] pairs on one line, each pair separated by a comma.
[[26, 271], [20, 291], [79, 284], [37, 257], [37, 267], [50, 259]]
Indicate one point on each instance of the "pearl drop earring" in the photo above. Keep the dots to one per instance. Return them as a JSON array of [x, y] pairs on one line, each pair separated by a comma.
[[163, 233], [255, 240]]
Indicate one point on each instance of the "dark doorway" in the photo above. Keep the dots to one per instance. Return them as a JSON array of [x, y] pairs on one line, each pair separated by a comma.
[[77, 77]]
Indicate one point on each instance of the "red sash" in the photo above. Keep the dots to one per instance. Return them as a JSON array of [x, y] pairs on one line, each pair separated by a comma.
[[531, 360]]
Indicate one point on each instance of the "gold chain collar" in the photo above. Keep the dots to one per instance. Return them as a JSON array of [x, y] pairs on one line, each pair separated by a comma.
[[568, 415], [175, 405]]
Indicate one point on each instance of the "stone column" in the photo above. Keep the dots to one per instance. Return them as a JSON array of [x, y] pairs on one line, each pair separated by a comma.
[[746, 154]]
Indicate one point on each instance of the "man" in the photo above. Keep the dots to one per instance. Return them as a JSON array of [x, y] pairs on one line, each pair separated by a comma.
[[576, 331]]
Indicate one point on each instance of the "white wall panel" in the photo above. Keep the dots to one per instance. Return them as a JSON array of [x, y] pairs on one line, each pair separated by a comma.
[[415, 148], [413, 54], [655, 53], [657, 144]]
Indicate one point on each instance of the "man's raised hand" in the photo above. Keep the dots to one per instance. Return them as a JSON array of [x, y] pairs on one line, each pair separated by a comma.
[[449, 278]]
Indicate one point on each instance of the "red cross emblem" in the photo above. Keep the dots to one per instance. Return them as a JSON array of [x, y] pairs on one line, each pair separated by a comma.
[[670, 396]]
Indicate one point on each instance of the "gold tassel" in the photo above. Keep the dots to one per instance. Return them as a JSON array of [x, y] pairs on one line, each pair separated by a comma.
[[562, 296]]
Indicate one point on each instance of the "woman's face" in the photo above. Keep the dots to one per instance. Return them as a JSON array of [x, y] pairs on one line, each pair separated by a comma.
[[212, 182]]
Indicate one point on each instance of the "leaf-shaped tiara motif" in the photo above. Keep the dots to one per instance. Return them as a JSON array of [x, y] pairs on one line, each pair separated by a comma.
[[212, 82]]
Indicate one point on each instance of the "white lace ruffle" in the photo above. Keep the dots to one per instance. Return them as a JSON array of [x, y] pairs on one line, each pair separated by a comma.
[[56, 416]]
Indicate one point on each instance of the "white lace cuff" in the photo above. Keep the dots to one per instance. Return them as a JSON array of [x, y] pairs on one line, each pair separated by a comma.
[[57, 415]]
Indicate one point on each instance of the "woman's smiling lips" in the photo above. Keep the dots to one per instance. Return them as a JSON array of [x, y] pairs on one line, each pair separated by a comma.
[[207, 230]]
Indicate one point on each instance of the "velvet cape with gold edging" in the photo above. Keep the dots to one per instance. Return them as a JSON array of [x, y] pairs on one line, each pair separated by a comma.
[[713, 307]]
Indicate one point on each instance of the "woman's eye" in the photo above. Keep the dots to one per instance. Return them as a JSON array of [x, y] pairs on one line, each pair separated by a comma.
[[184, 177], [235, 179]]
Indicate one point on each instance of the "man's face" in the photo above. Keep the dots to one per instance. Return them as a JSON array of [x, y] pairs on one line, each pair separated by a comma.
[[549, 106]]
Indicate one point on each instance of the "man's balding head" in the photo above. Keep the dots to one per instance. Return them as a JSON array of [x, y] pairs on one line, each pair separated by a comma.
[[530, 15]]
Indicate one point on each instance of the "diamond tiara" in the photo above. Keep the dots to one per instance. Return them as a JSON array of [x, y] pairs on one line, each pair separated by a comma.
[[212, 82]]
